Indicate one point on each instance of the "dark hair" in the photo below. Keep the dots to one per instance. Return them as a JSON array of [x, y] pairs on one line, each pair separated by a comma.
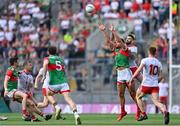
[[26, 62], [152, 51], [52, 50], [132, 36], [13, 60]]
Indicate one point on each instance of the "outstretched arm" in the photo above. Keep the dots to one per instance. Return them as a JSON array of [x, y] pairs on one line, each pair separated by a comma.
[[45, 66], [137, 72], [109, 40], [37, 80], [116, 37]]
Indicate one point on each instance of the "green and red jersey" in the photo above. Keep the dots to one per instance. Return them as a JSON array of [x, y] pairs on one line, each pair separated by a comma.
[[121, 58], [13, 81], [56, 69]]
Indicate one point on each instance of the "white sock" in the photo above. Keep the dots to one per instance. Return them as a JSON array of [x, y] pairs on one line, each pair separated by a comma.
[[57, 107], [76, 114]]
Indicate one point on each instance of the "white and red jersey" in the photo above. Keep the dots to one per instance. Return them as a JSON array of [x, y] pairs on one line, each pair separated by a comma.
[[134, 50], [151, 70], [163, 89], [25, 81], [46, 81]]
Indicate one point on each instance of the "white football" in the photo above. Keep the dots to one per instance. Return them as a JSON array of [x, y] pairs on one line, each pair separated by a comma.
[[89, 8]]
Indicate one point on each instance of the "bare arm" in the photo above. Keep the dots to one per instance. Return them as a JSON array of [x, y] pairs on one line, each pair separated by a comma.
[[116, 37], [137, 71], [109, 40], [6, 84], [37, 80], [45, 65], [160, 76], [102, 27]]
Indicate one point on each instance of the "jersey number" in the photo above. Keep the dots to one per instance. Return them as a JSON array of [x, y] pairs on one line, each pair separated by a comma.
[[58, 66], [153, 70]]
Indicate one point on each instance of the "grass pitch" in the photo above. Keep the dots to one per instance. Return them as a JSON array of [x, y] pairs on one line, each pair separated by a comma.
[[14, 119]]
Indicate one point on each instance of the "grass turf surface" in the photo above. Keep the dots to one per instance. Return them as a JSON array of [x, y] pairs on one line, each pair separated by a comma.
[[91, 119]]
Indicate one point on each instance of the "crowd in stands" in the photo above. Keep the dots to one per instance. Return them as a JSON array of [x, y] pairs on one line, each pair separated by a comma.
[[25, 26], [26, 29]]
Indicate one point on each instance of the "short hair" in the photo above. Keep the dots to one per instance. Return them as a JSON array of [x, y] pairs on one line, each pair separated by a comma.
[[26, 62], [152, 51], [13, 60], [52, 50], [132, 36]]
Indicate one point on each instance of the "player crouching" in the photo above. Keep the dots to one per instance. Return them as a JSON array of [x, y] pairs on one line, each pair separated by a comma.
[[25, 84]]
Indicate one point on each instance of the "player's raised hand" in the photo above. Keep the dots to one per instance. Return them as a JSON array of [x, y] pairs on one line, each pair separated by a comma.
[[112, 28], [102, 27]]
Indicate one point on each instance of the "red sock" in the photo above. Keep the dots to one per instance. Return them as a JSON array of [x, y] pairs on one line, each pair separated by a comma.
[[122, 109], [143, 113], [138, 110], [33, 117], [41, 114], [24, 111]]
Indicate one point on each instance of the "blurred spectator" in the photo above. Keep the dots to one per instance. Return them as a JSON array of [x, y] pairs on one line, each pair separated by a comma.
[[135, 6], [114, 5], [105, 7], [156, 4], [138, 29], [174, 48], [122, 14], [163, 93], [146, 6], [80, 76], [162, 47], [127, 6]]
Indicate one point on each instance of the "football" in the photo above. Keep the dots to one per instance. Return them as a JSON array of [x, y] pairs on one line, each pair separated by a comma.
[[89, 8]]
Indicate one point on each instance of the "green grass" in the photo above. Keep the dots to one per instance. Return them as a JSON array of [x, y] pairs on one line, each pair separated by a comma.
[[91, 119]]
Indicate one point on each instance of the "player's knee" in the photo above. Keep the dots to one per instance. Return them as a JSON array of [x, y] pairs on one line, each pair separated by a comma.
[[46, 104]]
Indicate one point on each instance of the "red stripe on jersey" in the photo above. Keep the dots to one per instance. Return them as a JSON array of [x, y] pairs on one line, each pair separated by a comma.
[[125, 53], [12, 77], [9, 73], [55, 67], [61, 92], [115, 53]]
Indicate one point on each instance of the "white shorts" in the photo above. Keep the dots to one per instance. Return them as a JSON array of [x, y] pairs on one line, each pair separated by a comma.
[[11, 94], [123, 76], [59, 88]]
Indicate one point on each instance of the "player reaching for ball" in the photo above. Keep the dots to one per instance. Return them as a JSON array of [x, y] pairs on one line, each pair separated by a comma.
[[130, 42], [152, 72], [121, 54]]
